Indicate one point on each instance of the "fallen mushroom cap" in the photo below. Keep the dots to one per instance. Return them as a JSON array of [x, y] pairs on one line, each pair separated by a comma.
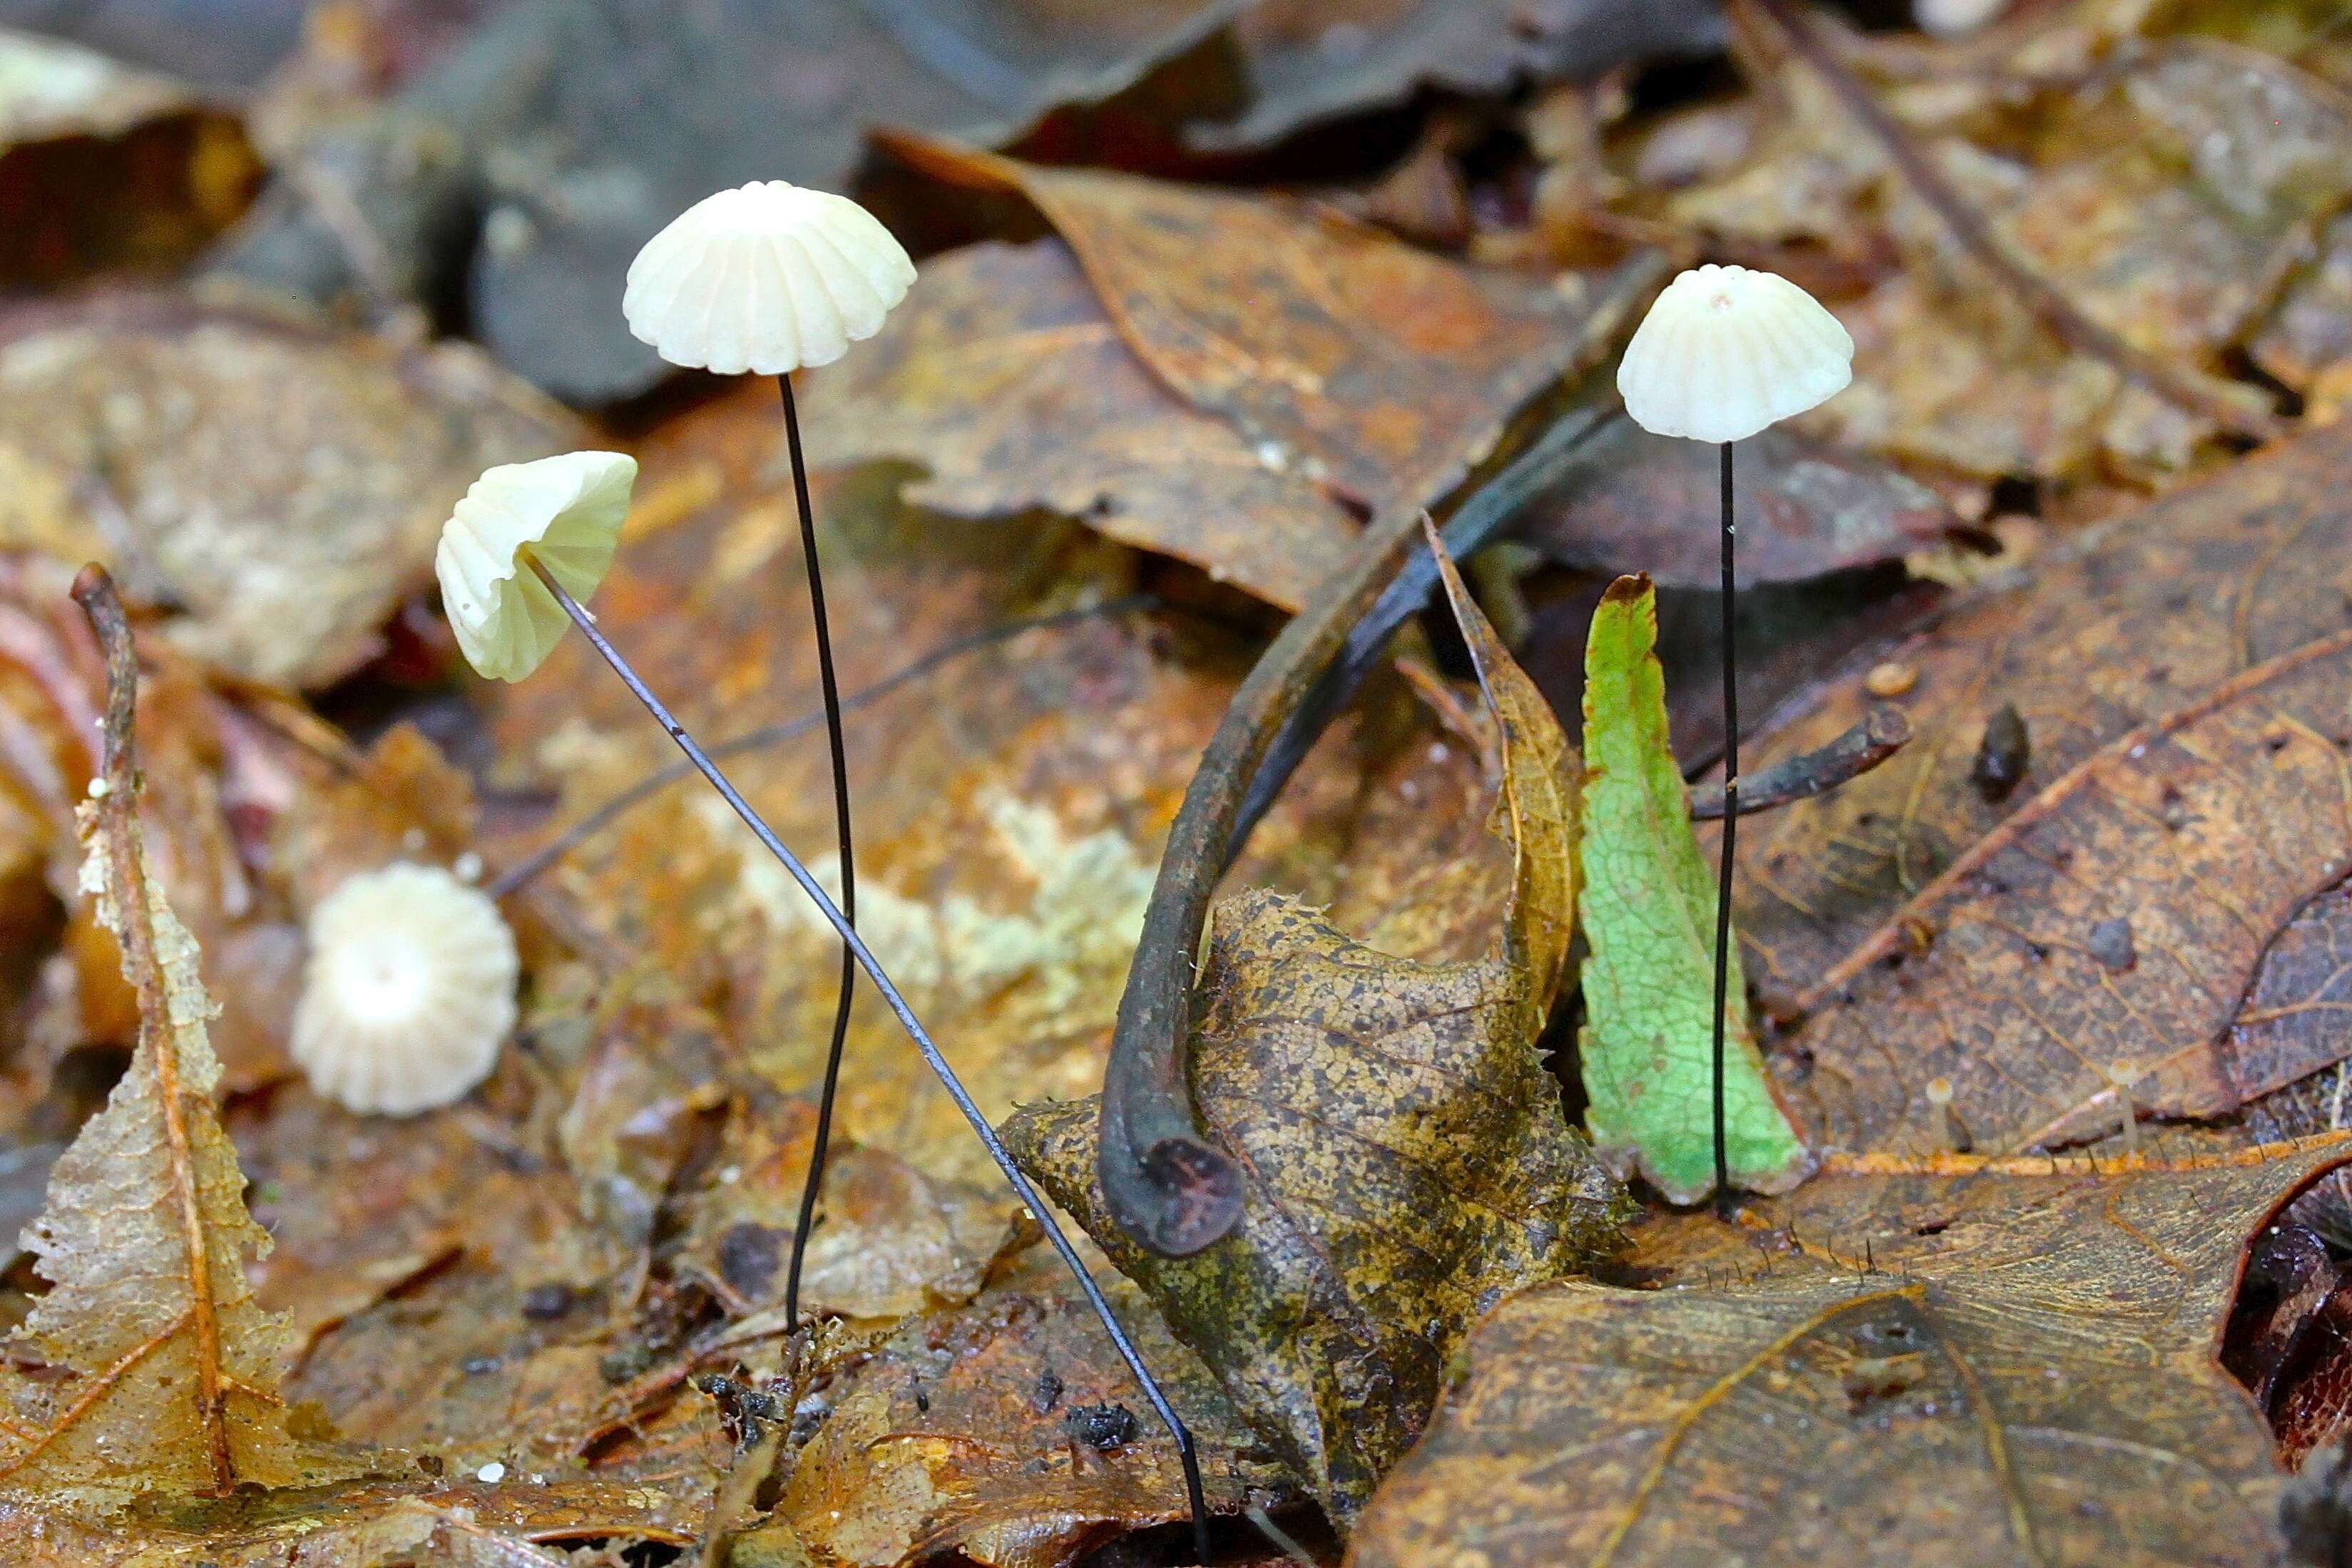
[[409, 990], [568, 510], [1726, 351], [766, 277]]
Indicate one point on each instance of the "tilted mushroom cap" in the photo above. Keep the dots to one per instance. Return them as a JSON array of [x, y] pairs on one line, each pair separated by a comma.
[[409, 990], [569, 511], [1725, 351], [766, 277]]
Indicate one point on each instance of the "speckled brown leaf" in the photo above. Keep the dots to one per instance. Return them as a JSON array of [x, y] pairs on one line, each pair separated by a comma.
[[278, 482], [1404, 1154], [1357, 361], [149, 1368], [1008, 1431], [1959, 1361], [1004, 377], [2181, 682]]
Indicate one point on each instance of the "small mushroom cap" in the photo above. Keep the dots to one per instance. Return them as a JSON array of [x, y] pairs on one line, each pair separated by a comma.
[[766, 277], [1725, 351], [409, 990], [569, 511]]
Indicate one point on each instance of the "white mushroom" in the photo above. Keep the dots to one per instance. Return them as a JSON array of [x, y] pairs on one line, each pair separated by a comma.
[[409, 990], [766, 277], [567, 511], [1726, 351]]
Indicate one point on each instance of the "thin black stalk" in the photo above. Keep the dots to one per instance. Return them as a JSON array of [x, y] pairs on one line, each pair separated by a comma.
[[839, 750], [923, 1043], [1730, 828]]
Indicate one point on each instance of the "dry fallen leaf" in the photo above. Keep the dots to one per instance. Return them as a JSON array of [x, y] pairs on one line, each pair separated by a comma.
[[1405, 1155], [149, 1367], [1959, 1360], [2177, 682], [278, 482]]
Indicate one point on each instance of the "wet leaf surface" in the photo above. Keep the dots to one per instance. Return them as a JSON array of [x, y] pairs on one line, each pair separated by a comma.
[[2009, 1362], [1403, 1152], [1648, 916]]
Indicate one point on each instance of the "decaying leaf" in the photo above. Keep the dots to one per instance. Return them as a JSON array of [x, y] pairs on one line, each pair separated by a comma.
[[278, 482], [1008, 1432], [1954, 1359], [1377, 371], [1648, 911], [2180, 682], [1632, 501], [149, 1367], [1005, 379], [1403, 1152]]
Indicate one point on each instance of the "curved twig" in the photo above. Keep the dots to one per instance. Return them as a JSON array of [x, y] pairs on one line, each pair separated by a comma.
[[1882, 733]]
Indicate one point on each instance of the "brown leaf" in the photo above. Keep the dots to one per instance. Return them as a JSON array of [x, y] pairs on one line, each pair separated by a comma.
[[1986, 1362], [280, 484], [154, 1368], [1403, 1151], [1003, 377], [2181, 685], [1633, 501], [1007, 1431], [1360, 364], [104, 166]]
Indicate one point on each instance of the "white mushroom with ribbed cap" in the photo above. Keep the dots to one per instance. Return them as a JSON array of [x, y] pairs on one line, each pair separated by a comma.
[[565, 513], [767, 278], [1725, 352], [408, 993], [772, 278]]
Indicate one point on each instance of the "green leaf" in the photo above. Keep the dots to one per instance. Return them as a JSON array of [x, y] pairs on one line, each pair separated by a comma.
[[1648, 913]]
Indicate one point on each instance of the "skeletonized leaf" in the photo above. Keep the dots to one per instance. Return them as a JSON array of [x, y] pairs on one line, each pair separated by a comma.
[[153, 1368], [1649, 916], [1954, 1361], [1406, 1159]]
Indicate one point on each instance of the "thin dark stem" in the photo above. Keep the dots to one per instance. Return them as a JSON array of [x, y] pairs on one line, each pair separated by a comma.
[[839, 750], [1730, 828], [603, 816], [923, 1043]]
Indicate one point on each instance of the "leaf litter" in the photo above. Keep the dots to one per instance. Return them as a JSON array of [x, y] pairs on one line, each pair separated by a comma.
[[551, 1309]]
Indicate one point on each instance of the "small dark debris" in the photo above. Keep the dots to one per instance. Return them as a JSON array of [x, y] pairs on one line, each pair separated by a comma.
[[2111, 943], [545, 1303], [479, 1365], [1103, 1427], [2004, 756], [1048, 1392], [1876, 1378], [748, 1256]]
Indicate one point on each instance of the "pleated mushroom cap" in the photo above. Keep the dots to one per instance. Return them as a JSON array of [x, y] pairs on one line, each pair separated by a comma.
[[766, 277], [1726, 351], [569, 511], [408, 993]]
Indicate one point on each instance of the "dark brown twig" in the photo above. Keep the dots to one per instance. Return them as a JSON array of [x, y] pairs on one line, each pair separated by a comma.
[[1861, 748], [2037, 294]]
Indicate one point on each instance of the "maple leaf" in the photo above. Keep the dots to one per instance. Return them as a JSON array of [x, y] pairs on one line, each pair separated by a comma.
[[1405, 1157], [151, 1367], [1958, 1359]]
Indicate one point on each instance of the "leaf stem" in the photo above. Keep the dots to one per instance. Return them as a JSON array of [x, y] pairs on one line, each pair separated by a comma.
[[932, 1057], [839, 752]]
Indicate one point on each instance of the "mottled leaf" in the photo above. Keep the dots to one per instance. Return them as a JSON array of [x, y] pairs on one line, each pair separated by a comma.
[[1010, 1432], [1404, 1154], [148, 1368], [1004, 377], [1649, 912], [1996, 1362]]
